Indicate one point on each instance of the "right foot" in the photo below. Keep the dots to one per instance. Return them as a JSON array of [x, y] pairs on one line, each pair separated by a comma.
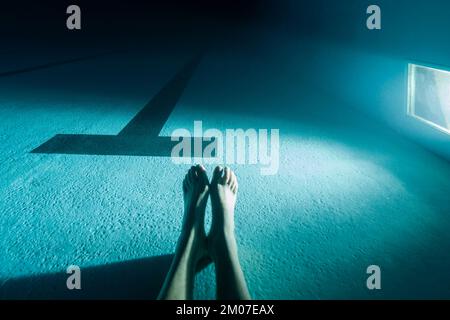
[[223, 191]]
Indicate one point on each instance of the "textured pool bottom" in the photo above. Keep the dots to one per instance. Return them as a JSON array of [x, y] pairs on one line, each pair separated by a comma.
[[344, 198]]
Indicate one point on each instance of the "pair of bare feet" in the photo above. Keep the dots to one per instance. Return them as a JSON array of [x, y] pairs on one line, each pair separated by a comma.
[[195, 249], [196, 190]]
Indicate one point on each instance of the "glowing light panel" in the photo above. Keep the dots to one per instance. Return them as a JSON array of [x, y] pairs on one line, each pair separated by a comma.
[[429, 96]]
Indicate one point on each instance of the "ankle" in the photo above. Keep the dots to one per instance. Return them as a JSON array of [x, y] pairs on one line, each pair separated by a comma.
[[223, 243], [222, 231]]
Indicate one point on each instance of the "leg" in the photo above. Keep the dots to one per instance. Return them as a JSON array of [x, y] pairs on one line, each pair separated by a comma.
[[191, 247], [222, 242]]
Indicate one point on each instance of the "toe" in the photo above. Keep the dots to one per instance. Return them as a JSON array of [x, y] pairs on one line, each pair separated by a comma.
[[227, 176], [235, 187], [216, 175], [233, 178], [187, 180], [233, 182], [201, 172], [192, 174]]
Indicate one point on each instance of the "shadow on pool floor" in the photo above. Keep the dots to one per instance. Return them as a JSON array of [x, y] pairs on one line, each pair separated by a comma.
[[134, 279]]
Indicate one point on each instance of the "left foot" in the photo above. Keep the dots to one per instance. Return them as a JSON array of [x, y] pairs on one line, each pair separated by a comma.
[[195, 193]]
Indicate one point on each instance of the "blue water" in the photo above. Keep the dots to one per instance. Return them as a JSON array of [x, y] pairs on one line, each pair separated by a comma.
[[350, 192]]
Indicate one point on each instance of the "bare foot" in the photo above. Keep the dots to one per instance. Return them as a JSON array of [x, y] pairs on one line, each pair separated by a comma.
[[195, 193], [223, 190]]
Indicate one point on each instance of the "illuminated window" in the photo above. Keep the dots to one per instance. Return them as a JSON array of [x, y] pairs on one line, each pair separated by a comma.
[[429, 96]]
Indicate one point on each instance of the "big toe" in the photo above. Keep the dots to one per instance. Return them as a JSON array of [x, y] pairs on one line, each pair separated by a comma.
[[202, 175], [192, 175], [226, 179]]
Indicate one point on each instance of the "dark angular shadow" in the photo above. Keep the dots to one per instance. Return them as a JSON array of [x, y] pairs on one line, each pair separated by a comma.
[[106, 145], [140, 136], [52, 64], [135, 279]]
